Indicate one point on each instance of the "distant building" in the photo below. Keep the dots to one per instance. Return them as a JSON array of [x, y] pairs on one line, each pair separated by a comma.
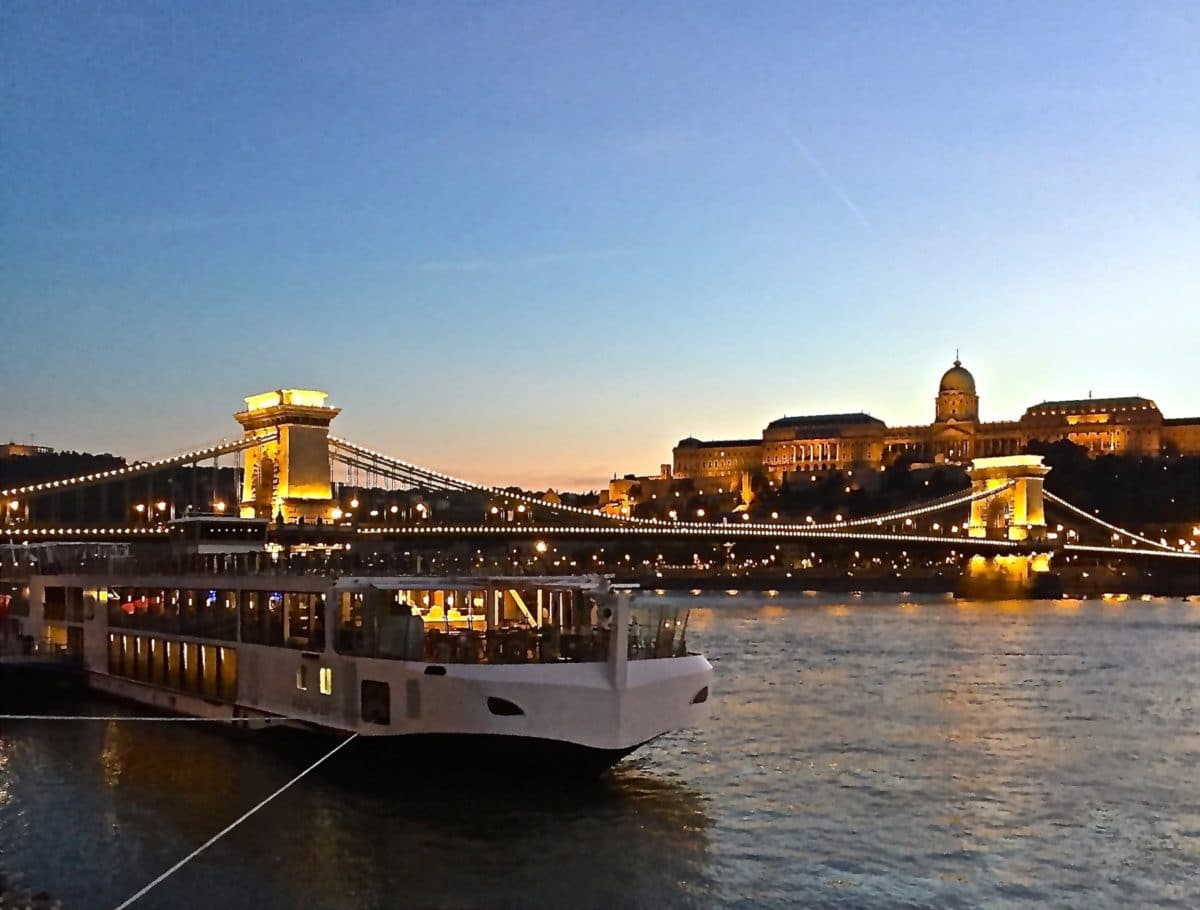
[[21, 450], [839, 442]]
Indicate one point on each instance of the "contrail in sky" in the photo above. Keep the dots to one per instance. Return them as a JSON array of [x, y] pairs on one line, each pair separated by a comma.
[[823, 173]]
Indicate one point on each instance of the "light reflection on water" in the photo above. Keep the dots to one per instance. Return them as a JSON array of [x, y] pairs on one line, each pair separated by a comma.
[[861, 753]]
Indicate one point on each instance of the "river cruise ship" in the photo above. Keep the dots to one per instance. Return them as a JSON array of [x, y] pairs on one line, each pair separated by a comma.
[[549, 666]]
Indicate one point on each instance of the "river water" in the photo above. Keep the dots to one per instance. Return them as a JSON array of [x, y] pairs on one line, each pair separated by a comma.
[[862, 752]]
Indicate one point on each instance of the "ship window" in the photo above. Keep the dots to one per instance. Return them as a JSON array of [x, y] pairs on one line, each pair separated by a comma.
[[54, 604], [302, 678], [305, 621], [375, 702], [502, 707], [326, 680]]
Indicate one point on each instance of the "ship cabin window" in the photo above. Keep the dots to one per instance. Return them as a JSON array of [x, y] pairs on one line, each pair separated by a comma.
[[54, 604], [74, 598], [498, 624], [206, 670], [657, 631], [262, 618], [304, 621], [199, 613], [302, 678], [375, 699], [326, 680]]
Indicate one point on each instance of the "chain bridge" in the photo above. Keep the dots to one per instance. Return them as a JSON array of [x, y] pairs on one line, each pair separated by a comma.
[[282, 474]]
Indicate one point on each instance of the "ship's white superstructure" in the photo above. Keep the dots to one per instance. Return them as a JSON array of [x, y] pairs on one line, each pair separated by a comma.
[[520, 664]]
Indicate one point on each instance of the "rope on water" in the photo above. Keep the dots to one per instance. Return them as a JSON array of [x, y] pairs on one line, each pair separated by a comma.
[[166, 720], [216, 837]]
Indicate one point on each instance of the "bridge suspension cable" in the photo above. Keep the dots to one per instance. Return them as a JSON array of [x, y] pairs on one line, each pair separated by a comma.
[[360, 456], [901, 514], [136, 469], [413, 477], [438, 480], [1130, 551], [1095, 519]]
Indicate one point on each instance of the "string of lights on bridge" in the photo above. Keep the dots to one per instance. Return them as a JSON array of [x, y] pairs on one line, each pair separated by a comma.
[[1126, 551], [659, 527], [410, 471], [1095, 519], [104, 532], [618, 525], [137, 468], [689, 530]]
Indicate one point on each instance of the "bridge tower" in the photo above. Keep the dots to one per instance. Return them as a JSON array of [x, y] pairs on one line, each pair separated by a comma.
[[1016, 513], [288, 473]]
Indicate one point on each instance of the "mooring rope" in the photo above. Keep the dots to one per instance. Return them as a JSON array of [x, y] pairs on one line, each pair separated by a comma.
[[167, 720], [216, 837]]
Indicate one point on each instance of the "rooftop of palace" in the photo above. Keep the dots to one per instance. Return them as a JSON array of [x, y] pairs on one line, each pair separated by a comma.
[[821, 420], [692, 443], [1132, 403]]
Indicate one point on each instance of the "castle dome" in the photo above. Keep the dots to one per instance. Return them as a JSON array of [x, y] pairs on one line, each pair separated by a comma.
[[957, 379]]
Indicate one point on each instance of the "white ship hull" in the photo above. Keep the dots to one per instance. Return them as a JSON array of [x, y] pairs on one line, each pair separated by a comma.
[[593, 711]]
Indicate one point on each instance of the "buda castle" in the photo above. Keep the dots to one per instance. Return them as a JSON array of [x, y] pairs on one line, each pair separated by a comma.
[[832, 442]]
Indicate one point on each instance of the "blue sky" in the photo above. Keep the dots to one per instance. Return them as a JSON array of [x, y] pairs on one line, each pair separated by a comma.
[[540, 242]]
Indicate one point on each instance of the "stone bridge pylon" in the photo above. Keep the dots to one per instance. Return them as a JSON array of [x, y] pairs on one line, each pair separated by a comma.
[[288, 472], [1017, 512]]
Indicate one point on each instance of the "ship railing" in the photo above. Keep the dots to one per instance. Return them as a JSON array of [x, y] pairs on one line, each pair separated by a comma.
[[514, 644], [256, 564]]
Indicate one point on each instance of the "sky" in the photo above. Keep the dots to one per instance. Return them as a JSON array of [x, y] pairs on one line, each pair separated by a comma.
[[539, 243]]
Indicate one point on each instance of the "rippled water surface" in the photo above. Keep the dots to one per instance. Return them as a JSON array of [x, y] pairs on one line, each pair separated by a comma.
[[861, 753]]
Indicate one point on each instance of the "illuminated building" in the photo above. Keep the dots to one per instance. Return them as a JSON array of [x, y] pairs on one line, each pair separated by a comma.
[[288, 473], [21, 450], [840, 442]]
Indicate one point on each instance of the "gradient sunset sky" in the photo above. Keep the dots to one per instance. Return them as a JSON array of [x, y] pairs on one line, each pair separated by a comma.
[[541, 242]]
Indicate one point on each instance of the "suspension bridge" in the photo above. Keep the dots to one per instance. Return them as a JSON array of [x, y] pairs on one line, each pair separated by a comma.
[[285, 464]]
